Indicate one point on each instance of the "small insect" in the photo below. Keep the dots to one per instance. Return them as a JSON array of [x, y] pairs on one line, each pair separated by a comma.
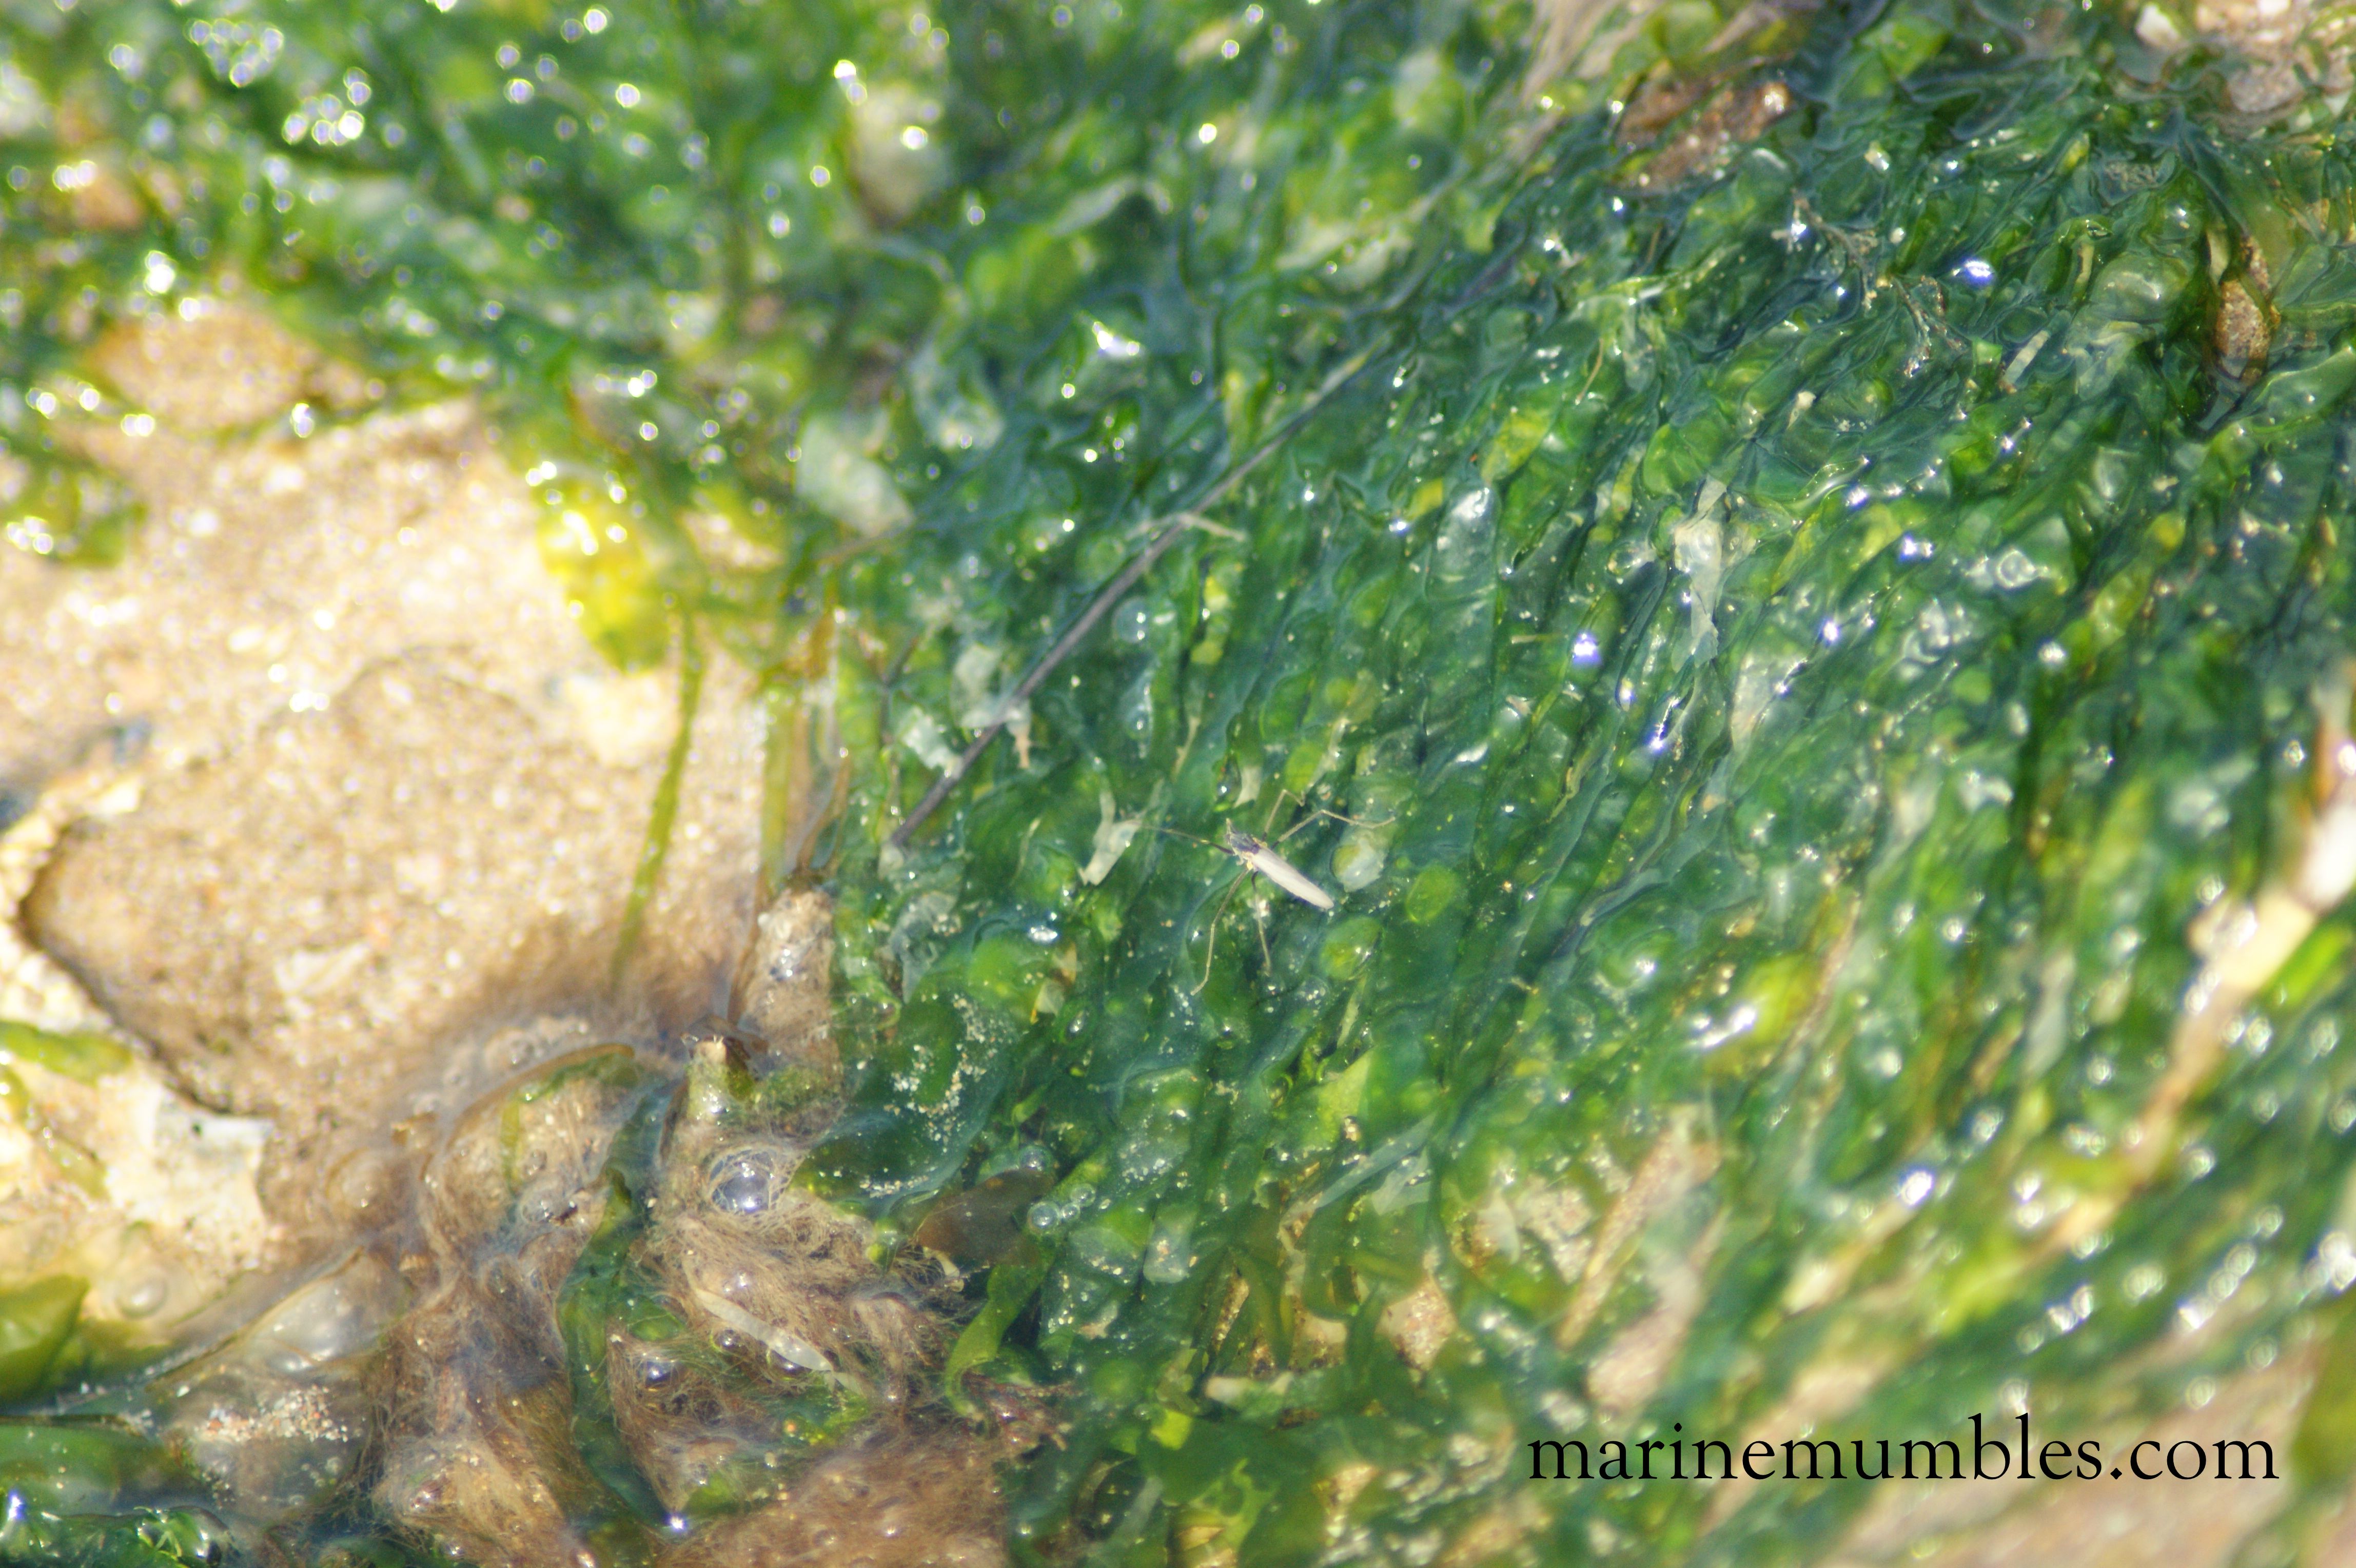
[[1259, 855], [1256, 854]]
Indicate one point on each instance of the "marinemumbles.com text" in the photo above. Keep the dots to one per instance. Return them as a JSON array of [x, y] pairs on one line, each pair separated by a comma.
[[1993, 1452]]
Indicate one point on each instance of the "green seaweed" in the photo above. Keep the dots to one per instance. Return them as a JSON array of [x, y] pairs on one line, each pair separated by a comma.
[[604, 1293], [36, 1321], [1793, 767], [143, 1538], [83, 1057], [70, 1487], [618, 1315]]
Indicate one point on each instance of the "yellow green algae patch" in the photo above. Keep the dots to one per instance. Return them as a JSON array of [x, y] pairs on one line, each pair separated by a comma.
[[34, 1324], [84, 1057]]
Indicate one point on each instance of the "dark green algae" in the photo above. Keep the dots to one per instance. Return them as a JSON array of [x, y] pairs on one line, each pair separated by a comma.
[[1796, 647]]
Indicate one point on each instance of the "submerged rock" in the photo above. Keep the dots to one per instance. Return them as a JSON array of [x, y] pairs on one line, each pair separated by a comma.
[[479, 1456], [635, 1329], [280, 1418], [109, 1175], [593, 1319]]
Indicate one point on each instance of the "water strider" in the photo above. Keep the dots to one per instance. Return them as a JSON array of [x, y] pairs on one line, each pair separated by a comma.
[[1257, 855]]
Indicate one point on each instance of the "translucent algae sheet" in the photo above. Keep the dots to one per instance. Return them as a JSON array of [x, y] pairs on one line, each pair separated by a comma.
[[1786, 580]]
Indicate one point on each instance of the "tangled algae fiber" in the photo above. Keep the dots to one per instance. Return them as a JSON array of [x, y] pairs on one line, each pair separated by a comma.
[[1786, 574]]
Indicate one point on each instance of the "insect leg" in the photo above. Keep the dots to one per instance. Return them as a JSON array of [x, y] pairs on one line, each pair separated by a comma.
[[1211, 931], [1317, 812]]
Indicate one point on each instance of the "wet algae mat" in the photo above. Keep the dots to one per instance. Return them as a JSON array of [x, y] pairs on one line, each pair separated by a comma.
[[1786, 636]]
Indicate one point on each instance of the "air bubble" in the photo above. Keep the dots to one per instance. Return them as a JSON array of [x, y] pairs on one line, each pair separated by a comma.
[[745, 1182]]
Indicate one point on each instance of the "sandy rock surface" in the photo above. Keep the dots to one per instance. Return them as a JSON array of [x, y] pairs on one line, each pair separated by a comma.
[[349, 790], [303, 925], [268, 573]]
